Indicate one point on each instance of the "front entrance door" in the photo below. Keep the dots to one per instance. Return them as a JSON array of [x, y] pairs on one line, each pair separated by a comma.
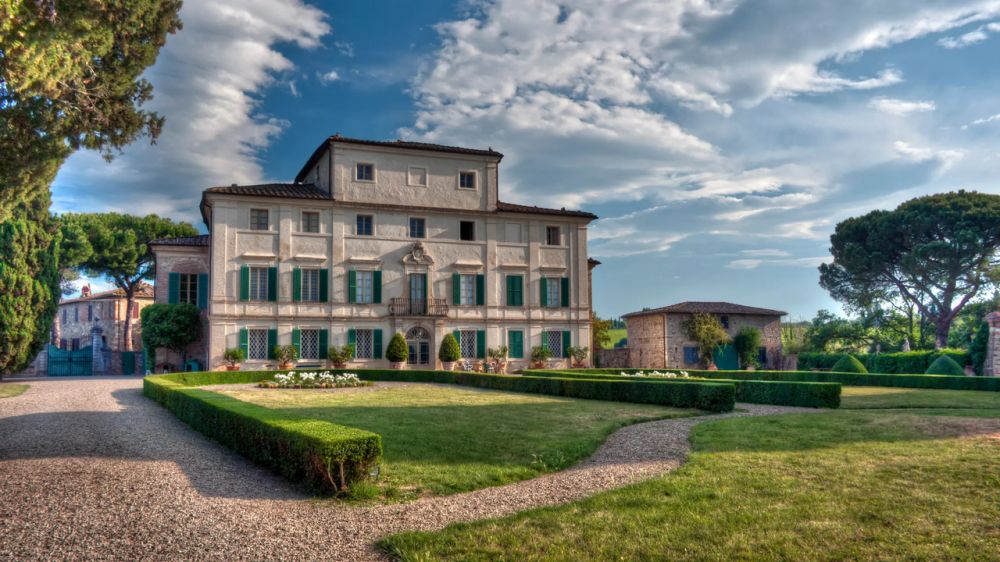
[[418, 342], [418, 293], [725, 358]]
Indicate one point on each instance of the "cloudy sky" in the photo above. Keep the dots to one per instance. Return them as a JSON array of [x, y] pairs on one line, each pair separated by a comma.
[[720, 141]]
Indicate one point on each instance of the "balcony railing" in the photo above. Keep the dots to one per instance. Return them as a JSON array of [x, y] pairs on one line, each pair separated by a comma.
[[402, 306]]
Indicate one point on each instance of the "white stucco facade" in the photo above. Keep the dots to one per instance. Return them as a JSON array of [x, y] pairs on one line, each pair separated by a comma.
[[408, 181]]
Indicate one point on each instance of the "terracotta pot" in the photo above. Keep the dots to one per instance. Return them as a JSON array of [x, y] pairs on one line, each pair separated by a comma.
[[232, 367], [448, 365], [340, 365], [712, 367], [398, 365], [538, 365], [286, 366]]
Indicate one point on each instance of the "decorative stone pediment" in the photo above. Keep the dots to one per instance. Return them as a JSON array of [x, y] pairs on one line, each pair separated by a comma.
[[418, 255]]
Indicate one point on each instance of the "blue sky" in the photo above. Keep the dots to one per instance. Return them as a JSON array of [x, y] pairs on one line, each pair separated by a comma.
[[719, 141]]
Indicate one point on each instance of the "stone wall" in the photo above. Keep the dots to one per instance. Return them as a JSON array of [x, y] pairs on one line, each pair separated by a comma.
[[646, 342], [657, 341], [613, 358], [991, 367]]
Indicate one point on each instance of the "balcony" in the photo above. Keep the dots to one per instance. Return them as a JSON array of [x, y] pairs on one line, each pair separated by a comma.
[[408, 307]]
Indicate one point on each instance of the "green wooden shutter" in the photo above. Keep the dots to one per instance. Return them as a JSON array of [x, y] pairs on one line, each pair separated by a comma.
[[456, 288], [352, 286], [297, 340], [203, 291], [173, 288], [567, 341], [480, 344], [296, 284], [324, 343], [272, 341], [480, 289], [458, 337], [272, 284], [515, 344], [245, 341], [377, 286], [510, 292], [543, 285], [564, 292], [324, 285], [245, 283], [426, 291], [352, 340], [515, 290], [377, 343]]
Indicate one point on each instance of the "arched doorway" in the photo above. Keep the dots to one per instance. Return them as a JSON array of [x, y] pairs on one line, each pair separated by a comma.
[[418, 340]]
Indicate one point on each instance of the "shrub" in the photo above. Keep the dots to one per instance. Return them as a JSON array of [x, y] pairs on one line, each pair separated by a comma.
[[901, 362], [579, 354], [945, 365], [234, 356], [449, 352], [707, 331], [747, 344], [497, 358], [171, 326], [286, 353], [540, 353], [322, 457], [340, 355], [848, 364], [397, 352], [977, 350]]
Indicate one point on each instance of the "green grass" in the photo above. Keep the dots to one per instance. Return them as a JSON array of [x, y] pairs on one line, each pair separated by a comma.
[[616, 335], [441, 439], [867, 397], [868, 485], [9, 389]]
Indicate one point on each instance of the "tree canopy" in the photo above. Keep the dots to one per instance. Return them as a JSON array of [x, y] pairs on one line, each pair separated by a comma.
[[707, 330], [935, 253], [170, 326]]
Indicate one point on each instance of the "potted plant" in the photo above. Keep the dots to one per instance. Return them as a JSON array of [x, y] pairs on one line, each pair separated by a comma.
[[397, 352], [497, 359], [286, 355], [578, 355], [540, 354], [340, 355], [449, 352], [233, 357]]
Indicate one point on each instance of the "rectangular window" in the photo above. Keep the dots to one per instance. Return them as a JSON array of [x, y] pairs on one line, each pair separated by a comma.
[[365, 284], [552, 236], [725, 321], [690, 355], [309, 344], [258, 219], [310, 285], [417, 228], [257, 344], [467, 180], [310, 221], [363, 344], [90, 313], [552, 288], [64, 317], [365, 225], [258, 283], [365, 172], [467, 343], [468, 291], [418, 176], [554, 340], [467, 230], [76, 313], [515, 290], [515, 344], [188, 290]]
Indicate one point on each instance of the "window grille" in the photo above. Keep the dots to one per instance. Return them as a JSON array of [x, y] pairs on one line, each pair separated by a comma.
[[257, 344], [468, 343], [363, 344], [553, 340], [309, 344]]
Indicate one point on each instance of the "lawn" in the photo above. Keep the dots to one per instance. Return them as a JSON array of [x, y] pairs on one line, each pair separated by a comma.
[[9, 389], [616, 335], [442, 439], [863, 484], [865, 397]]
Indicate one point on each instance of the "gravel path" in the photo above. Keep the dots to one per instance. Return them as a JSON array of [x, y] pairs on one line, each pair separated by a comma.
[[91, 469]]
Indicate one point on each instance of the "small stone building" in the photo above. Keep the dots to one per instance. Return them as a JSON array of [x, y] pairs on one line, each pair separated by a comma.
[[77, 317], [657, 338]]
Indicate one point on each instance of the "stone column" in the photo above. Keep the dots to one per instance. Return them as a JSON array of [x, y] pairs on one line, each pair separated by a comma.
[[991, 367], [96, 350]]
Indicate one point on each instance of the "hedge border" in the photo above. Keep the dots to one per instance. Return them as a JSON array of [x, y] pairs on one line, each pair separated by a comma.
[[939, 382], [892, 363], [778, 393], [320, 456]]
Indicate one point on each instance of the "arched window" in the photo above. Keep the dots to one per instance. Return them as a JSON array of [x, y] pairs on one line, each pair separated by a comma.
[[418, 342], [418, 333]]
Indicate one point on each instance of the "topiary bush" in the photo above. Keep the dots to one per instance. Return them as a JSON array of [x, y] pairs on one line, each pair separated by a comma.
[[899, 362], [449, 352], [945, 365], [397, 352], [849, 364]]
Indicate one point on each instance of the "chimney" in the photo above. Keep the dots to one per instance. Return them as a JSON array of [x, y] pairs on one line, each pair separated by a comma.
[[85, 291]]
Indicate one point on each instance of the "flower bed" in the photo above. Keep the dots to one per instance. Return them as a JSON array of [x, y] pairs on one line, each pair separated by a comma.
[[662, 375], [312, 379]]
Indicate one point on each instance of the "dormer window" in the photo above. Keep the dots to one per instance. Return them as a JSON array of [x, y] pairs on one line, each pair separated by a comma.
[[467, 180], [364, 172]]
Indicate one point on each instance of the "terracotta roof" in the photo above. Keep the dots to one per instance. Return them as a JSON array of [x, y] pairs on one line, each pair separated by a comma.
[[287, 190], [515, 208], [201, 240], [399, 143], [690, 307], [144, 291]]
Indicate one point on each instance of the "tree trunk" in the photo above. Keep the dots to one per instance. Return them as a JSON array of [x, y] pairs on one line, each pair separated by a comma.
[[127, 327], [942, 327]]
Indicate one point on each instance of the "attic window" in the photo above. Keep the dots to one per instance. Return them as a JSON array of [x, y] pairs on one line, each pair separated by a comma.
[[467, 180], [364, 172]]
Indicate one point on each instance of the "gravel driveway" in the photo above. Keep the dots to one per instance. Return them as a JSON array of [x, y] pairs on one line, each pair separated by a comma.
[[91, 469]]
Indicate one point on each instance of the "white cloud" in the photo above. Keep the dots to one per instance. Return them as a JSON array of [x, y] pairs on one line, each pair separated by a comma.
[[977, 35], [895, 106], [946, 157], [983, 121], [328, 76], [206, 83], [807, 262]]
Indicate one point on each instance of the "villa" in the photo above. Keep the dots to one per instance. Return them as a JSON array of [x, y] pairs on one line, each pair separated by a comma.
[[374, 238]]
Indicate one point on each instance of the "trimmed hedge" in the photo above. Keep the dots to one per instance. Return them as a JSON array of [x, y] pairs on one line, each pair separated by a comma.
[[941, 382], [945, 365], [323, 457], [849, 364], [780, 393], [901, 363]]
